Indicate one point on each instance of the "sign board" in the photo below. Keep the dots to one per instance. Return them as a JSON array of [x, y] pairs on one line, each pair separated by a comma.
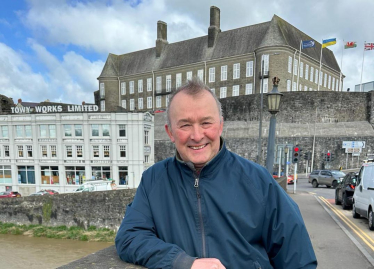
[[353, 150], [353, 144], [355, 154]]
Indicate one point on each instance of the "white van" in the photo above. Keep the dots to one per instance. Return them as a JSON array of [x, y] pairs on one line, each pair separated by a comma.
[[95, 185], [363, 197]]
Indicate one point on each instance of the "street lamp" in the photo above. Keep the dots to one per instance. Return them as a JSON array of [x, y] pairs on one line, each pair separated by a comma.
[[274, 98]]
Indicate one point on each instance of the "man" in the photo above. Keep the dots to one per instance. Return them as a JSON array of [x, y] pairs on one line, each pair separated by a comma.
[[207, 207]]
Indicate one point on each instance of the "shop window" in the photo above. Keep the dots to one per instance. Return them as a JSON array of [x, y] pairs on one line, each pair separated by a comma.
[[50, 175], [26, 175], [123, 175], [101, 172], [5, 174], [75, 175]]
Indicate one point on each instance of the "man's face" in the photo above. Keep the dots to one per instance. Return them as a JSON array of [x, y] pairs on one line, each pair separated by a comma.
[[195, 127]]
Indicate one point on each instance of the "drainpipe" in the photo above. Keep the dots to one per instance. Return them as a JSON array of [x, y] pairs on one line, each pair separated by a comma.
[[205, 72], [254, 71], [153, 90], [293, 65], [119, 92]]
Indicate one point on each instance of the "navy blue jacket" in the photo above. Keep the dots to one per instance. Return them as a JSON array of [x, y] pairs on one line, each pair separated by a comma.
[[233, 211]]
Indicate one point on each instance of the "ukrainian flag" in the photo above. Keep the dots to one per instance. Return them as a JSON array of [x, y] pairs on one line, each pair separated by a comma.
[[328, 42]]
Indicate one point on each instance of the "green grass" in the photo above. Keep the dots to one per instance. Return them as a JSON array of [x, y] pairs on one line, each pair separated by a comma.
[[60, 232]]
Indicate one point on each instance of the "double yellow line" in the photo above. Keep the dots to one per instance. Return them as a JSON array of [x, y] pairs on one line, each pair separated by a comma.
[[360, 233]]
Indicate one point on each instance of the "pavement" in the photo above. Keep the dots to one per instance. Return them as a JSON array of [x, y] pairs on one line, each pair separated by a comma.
[[333, 247]]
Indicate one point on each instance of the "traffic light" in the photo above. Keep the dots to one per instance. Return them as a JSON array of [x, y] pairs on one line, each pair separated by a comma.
[[308, 156], [328, 158], [296, 154], [332, 157]]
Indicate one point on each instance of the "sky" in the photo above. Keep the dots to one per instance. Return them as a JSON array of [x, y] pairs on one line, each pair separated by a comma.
[[56, 49]]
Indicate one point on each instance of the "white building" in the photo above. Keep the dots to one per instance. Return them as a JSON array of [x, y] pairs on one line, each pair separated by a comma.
[[62, 150]]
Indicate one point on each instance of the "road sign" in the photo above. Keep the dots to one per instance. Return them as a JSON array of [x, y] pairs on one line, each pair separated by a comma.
[[353, 150], [353, 144]]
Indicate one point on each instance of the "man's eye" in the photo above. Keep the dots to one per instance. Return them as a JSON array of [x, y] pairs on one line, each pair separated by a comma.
[[185, 125], [206, 123]]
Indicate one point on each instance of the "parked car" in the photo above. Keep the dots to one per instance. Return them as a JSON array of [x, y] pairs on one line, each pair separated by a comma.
[[345, 189], [40, 193], [363, 197], [52, 192], [9, 194], [95, 185], [330, 178], [290, 179]]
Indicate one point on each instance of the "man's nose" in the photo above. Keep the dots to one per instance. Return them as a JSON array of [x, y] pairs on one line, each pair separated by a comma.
[[197, 133]]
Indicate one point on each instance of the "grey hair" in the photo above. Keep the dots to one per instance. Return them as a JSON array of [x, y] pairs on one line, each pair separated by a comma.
[[192, 87]]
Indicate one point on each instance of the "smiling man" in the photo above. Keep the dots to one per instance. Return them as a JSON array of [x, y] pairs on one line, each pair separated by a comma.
[[208, 207]]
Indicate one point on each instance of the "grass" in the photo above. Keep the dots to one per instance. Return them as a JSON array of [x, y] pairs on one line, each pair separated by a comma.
[[59, 232]]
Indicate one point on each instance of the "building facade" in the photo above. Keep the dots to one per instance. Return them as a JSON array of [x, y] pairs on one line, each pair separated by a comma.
[[365, 87], [62, 150], [232, 63]]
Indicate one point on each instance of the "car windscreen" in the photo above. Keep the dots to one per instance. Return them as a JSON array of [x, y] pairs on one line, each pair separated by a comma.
[[368, 177], [338, 173]]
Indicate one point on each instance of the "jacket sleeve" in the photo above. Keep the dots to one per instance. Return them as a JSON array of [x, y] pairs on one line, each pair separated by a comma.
[[137, 242], [285, 236]]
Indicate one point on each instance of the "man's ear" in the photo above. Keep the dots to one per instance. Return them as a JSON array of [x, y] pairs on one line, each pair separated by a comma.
[[169, 132]]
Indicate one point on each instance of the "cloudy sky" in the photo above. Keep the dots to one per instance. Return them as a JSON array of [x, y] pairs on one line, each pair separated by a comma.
[[56, 49]]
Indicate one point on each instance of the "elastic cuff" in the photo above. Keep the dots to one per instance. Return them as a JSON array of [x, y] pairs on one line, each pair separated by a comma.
[[183, 261]]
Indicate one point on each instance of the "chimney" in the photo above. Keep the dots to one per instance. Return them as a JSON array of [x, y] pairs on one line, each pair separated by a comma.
[[83, 103], [19, 101], [162, 37], [214, 27]]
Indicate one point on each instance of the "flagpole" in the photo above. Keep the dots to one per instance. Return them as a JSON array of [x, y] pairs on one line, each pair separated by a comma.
[[362, 68], [298, 70], [341, 67], [320, 66]]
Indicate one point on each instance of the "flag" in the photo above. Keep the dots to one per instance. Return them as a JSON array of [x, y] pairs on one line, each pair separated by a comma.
[[308, 44], [350, 45], [369, 46], [328, 42]]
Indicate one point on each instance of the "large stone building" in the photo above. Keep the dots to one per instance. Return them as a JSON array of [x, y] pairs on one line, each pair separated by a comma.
[[233, 63]]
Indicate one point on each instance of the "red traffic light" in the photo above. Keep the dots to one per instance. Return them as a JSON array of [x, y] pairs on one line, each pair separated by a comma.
[[296, 149], [328, 154]]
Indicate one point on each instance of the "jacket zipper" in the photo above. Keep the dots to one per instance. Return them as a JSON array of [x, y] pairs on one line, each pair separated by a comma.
[[200, 215]]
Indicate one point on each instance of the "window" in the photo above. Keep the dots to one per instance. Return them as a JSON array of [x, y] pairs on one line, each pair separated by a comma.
[[5, 174], [306, 71], [158, 84], [75, 174], [305, 88], [337, 85], [23, 131], [168, 83], [146, 158], [140, 103], [43, 131], [167, 97], [94, 130], [50, 175], [288, 85], [4, 131], [316, 77], [122, 151], [223, 72], [20, 151], [132, 104], [289, 64], [300, 88], [102, 105], [333, 84], [189, 75], [294, 86], [124, 104], [106, 129], [248, 88], [266, 85], [212, 74], [95, 151], [101, 172], [123, 88], [146, 137], [53, 151], [6, 151], [122, 130], [235, 90], [295, 65], [301, 69], [29, 151], [236, 71], [67, 130], [320, 78], [52, 130], [329, 83], [149, 84], [178, 80], [131, 85], [44, 151], [222, 92], [158, 101], [149, 102], [249, 69], [140, 85], [102, 90], [311, 73], [106, 151], [78, 130], [213, 91], [200, 74], [325, 81], [123, 175], [26, 174], [265, 58], [79, 150], [69, 151]]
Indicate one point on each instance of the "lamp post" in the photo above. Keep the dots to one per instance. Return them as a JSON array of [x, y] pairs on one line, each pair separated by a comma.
[[274, 98]]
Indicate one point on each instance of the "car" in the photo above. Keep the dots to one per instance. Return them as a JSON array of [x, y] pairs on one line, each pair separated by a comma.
[[40, 193], [9, 194], [330, 178], [290, 179], [363, 197], [345, 190], [52, 192]]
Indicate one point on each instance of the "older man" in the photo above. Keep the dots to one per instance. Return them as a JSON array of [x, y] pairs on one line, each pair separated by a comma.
[[208, 207]]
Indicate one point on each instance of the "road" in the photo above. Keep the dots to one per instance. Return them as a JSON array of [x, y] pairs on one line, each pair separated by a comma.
[[356, 230]]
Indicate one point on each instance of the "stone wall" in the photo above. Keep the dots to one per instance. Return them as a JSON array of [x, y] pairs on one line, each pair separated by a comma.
[[103, 209]]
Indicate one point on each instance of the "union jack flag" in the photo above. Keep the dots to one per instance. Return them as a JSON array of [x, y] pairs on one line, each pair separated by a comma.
[[369, 46]]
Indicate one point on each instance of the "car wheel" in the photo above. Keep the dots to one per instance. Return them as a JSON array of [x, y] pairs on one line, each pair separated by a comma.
[[344, 202], [315, 184], [334, 184], [371, 221], [355, 215], [337, 202]]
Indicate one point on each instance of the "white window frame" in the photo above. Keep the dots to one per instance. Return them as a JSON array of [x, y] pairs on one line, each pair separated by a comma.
[[158, 84], [329, 83], [123, 88], [213, 90], [200, 74], [158, 101], [306, 71], [223, 72], [189, 75], [102, 90], [149, 102], [168, 83], [325, 81], [132, 104], [301, 69], [149, 84], [265, 58], [140, 103], [266, 85], [320, 78], [333, 84], [235, 90], [236, 71], [289, 64], [316, 76], [102, 105], [178, 80], [311, 74], [140, 85], [295, 66], [288, 85], [124, 104], [294, 86], [249, 69], [122, 148], [223, 92], [212, 74], [131, 86], [248, 88]]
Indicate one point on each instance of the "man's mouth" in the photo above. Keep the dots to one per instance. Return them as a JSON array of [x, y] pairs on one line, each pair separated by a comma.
[[198, 147]]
